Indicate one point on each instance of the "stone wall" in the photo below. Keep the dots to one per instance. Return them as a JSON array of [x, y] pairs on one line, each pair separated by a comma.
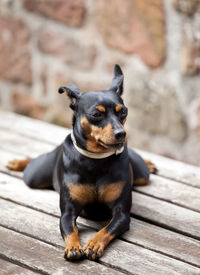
[[45, 44]]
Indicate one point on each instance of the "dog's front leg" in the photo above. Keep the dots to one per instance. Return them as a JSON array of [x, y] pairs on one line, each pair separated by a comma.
[[68, 227], [69, 230], [119, 224]]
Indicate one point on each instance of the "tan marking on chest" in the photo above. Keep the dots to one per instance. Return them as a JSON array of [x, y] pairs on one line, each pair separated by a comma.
[[110, 192], [82, 193]]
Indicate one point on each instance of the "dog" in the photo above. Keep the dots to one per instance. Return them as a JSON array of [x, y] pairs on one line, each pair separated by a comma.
[[93, 170]]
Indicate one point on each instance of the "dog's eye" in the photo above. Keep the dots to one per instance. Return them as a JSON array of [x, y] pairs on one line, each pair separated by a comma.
[[96, 115]]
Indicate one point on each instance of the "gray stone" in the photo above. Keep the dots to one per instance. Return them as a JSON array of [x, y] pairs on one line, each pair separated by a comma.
[[155, 110]]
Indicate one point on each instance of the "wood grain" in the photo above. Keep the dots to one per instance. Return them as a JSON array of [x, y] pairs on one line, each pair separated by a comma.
[[141, 233], [172, 191], [11, 268], [16, 143], [173, 169], [43, 257], [167, 215], [33, 128], [122, 254], [162, 238], [160, 212]]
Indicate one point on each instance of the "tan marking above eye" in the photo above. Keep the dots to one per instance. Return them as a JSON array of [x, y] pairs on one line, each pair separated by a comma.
[[101, 108], [118, 108]]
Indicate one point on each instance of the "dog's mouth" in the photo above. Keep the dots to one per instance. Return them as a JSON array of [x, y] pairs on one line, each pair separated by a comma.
[[115, 146]]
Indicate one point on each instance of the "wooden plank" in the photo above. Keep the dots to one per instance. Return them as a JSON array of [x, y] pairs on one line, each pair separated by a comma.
[[48, 201], [160, 212], [174, 169], [33, 128], [172, 191], [13, 142], [141, 233], [167, 215], [15, 190], [42, 257], [10, 268], [7, 156], [164, 241], [120, 253], [36, 129]]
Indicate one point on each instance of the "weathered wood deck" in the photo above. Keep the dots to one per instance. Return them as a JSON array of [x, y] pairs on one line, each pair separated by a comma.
[[164, 237]]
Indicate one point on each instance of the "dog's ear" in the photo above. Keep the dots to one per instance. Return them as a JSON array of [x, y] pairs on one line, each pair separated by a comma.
[[117, 81], [73, 93]]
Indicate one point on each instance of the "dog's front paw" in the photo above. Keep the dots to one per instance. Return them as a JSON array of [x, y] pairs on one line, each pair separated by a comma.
[[93, 250], [74, 252]]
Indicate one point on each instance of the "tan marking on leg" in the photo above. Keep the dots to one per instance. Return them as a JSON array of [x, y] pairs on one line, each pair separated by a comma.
[[101, 108], [118, 108], [82, 193], [18, 165], [108, 193], [95, 247], [141, 181], [73, 249], [152, 168]]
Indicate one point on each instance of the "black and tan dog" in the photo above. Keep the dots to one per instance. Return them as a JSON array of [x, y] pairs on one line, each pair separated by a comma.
[[93, 169]]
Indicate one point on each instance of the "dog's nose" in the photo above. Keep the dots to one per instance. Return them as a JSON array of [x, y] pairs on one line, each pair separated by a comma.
[[120, 134]]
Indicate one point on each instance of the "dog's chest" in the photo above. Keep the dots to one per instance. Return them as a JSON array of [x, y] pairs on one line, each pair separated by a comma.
[[88, 193]]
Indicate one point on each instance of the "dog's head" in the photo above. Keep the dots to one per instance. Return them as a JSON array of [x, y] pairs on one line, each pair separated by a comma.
[[99, 116]]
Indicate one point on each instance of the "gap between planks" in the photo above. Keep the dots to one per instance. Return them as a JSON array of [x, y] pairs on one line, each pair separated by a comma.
[[54, 234], [43, 257], [9, 266], [178, 218], [161, 212], [147, 228]]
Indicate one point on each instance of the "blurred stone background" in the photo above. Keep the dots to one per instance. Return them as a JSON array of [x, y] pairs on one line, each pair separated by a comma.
[[45, 44]]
